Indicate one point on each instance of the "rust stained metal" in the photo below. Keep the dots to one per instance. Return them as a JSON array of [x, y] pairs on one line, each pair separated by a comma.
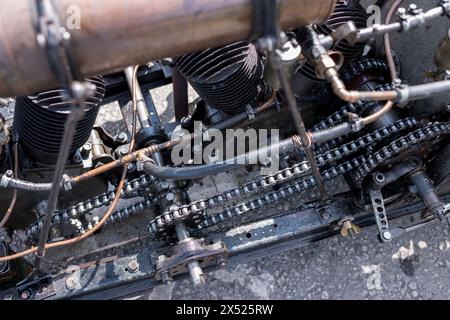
[[118, 33]]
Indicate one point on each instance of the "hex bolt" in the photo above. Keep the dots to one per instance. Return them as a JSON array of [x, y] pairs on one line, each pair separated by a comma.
[[221, 261], [123, 152], [325, 215], [131, 167], [387, 235], [165, 277], [170, 197], [77, 158], [122, 137], [25, 294], [133, 266], [401, 12], [86, 149], [71, 283]]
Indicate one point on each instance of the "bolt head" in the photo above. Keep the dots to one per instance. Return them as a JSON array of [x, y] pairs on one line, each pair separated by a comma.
[[122, 137], [87, 147], [401, 12], [165, 277], [133, 266], [77, 158], [71, 283], [170, 196], [387, 235], [221, 262], [25, 294]]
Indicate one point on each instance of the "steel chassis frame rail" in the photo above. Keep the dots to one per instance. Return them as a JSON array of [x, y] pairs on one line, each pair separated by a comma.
[[134, 274]]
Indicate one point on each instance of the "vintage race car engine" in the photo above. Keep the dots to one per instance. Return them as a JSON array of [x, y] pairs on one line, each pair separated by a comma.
[[293, 121]]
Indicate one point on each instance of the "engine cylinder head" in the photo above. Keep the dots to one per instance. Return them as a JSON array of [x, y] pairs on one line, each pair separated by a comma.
[[39, 122], [346, 10], [226, 78]]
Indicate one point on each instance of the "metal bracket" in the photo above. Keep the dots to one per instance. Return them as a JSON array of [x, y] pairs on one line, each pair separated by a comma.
[[382, 179], [355, 121], [188, 251], [347, 31], [55, 39], [381, 219], [35, 288]]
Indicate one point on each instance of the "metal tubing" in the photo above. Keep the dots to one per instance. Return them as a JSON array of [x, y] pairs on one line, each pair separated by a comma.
[[427, 192], [142, 112], [200, 171], [194, 267], [114, 34], [187, 173], [75, 115], [19, 184], [424, 91], [326, 135], [305, 138]]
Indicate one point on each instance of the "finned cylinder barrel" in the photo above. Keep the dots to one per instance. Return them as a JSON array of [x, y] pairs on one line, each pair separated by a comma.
[[110, 35]]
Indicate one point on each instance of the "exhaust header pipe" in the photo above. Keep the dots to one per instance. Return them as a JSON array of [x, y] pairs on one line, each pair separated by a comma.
[[114, 34]]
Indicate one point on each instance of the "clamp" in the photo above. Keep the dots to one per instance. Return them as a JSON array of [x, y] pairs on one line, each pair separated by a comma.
[[55, 39]]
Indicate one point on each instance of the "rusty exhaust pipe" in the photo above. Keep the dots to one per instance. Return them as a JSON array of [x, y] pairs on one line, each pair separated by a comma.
[[114, 34]]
